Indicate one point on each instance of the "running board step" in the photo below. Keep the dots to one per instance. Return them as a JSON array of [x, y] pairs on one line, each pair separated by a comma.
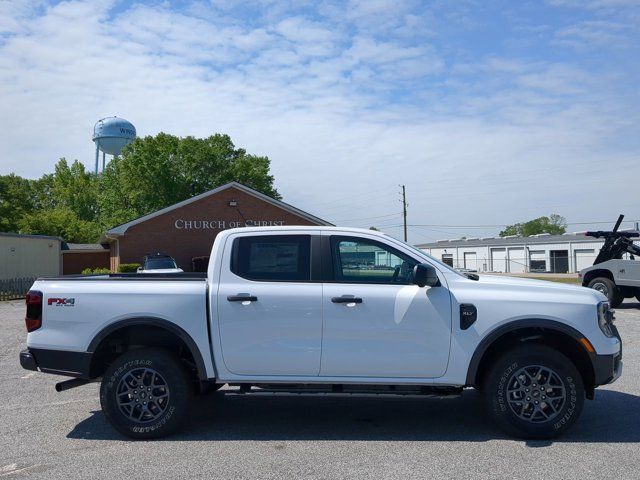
[[339, 389]]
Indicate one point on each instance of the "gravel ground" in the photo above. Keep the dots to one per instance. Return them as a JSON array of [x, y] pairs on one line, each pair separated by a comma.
[[44, 434]]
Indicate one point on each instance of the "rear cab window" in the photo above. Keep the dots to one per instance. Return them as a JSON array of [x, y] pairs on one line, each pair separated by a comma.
[[272, 258]]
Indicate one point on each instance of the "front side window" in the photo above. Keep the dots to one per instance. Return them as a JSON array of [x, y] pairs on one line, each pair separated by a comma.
[[277, 258], [358, 260]]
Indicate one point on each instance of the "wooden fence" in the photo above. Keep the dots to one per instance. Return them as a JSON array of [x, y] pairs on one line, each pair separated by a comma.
[[15, 288]]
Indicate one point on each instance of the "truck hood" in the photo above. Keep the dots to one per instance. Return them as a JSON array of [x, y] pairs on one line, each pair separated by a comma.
[[486, 278], [545, 285]]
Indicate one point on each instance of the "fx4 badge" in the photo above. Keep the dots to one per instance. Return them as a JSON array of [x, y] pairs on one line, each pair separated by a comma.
[[61, 302]]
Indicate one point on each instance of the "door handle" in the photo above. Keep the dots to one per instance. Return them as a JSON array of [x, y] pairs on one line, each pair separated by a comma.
[[242, 297], [346, 299]]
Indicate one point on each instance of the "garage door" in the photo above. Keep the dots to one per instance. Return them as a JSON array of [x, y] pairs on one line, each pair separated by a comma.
[[537, 261], [470, 260], [517, 260], [498, 260], [584, 258]]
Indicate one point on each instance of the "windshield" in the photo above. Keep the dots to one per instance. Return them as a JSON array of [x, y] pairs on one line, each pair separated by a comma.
[[159, 263], [425, 254]]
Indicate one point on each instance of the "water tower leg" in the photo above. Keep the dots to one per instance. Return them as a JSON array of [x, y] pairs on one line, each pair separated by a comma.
[[97, 157], [103, 155]]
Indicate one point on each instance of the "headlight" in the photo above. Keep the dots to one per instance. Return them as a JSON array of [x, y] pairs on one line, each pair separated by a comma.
[[605, 318]]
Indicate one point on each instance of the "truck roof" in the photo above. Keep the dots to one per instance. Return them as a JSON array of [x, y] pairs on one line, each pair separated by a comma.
[[305, 228]]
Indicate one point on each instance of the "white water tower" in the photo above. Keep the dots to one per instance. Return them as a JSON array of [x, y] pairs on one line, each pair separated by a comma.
[[110, 135]]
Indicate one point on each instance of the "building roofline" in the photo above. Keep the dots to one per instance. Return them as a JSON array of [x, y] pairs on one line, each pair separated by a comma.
[[28, 235], [85, 248], [510, 241], [121, 229]]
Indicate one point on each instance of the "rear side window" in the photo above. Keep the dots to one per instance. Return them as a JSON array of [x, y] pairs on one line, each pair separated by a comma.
[[277, 258]]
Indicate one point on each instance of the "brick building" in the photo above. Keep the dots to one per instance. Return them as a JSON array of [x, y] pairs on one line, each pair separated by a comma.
[[187, 229], [78, 256]]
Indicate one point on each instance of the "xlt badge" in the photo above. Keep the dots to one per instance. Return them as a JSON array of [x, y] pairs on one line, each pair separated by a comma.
[[468, 315]]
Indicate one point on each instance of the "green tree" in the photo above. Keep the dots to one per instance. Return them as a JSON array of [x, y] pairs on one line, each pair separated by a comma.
[[155, 172], [61, 222], [62, 204], [152, 173], [41, 193], [15, 201], [554, 224], [74, 188]]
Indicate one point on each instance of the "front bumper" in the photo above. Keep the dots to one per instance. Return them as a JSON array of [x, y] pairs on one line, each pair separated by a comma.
[[608, 368], [58, 362]]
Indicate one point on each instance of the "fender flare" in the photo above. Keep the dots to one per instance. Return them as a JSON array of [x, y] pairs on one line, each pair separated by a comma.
[[498, 332], [153, 322], [595, 273]]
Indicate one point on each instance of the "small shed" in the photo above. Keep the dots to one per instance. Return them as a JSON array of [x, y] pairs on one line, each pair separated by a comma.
[[29, 256]]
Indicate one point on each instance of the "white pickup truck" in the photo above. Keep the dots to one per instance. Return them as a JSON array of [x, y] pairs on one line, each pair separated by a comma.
[[323, 310]]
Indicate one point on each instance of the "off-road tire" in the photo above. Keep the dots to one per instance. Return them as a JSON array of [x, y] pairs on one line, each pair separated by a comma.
[[155, 372], [609, 288], [502, 387]]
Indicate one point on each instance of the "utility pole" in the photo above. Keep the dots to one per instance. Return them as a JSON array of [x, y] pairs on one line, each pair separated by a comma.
[[404, 211]]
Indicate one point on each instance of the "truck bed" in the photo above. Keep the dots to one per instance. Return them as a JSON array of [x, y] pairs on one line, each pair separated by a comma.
[[79, 310], [131, 276]]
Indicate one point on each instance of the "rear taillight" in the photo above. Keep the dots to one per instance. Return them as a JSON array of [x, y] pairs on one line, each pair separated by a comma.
[[34, 310]]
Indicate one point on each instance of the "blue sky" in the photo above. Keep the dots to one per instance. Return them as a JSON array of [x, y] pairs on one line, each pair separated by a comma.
[[489, 112]]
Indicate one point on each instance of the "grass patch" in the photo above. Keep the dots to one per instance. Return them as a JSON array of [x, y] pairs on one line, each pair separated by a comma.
[[567, 280]]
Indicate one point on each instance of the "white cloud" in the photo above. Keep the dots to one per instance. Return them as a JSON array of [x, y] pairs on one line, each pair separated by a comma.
[[298, 29], [347, 102], [600, 33], [594, 4]]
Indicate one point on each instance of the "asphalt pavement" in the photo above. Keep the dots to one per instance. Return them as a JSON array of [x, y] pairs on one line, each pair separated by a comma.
[[45, 434]]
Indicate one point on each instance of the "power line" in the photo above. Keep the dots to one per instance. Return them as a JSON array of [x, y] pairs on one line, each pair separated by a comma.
[[348, 199], [433, 229], [377, 225], [502, 225], [429, 226], [370, 218], [423, 235]]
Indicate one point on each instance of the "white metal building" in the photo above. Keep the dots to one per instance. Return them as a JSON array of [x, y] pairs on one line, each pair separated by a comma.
[[29, 256], [568, 253]]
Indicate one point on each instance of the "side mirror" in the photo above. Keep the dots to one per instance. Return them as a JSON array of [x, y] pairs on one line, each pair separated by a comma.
[[424, 275]]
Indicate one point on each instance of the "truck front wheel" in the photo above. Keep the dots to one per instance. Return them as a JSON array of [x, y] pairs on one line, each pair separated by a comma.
[[534, 392], [145, 393], [609, 288]]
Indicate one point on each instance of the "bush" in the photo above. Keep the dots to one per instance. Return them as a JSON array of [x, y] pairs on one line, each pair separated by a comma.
[[99, 271], [129, 267]]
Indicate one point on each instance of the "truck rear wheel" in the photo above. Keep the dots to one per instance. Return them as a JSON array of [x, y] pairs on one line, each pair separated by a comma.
[[609, 288], [534, 392], [145, 393]]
